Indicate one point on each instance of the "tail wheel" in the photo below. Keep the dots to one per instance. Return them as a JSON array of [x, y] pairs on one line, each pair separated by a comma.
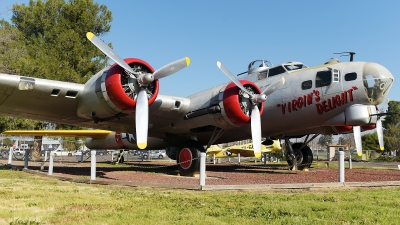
[[304, 156], [188, 158]]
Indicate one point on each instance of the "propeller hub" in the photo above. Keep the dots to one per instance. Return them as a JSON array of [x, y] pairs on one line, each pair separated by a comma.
[[261, 98], [146, 79]]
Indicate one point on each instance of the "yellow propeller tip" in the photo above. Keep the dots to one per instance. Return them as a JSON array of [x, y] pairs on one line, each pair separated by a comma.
[[257, 154], [89, 35], [142, 145], [187, 61], [382, 148], [359, 153], [219, 64]]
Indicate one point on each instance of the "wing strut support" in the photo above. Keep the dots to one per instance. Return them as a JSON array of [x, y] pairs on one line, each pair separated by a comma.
[[290, 156], [214, 137]]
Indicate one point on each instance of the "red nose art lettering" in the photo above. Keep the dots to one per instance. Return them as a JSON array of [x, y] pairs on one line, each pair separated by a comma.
[[321, 106]]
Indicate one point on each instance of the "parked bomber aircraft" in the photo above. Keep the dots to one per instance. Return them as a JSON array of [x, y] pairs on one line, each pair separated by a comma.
[[333, 98]]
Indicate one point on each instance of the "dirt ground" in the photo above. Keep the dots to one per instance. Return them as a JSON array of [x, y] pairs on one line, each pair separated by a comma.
[[165, 172]]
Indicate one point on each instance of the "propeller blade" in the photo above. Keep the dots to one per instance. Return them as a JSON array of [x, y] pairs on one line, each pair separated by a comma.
[[379, 131], [232, 77], [273, 87], [109, 52], [256, 130], [171, 68], [357, 139], [142, 119], [384, 105]]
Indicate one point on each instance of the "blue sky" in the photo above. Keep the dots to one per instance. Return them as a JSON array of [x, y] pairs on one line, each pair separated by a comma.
[[237, 32]]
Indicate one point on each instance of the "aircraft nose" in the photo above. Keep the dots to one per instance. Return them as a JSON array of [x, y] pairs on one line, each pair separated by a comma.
[[377, 82]]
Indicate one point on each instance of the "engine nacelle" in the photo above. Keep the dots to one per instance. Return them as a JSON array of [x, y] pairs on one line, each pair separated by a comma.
[[237, 105], [225, 106], [111, 94]]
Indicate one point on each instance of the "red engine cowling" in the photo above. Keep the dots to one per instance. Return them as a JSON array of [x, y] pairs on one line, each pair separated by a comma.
[[117, 84], [110, 93], [237, 104], [349, 129]]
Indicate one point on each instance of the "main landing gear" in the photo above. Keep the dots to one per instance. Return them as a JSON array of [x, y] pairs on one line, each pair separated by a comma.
[[299, 156], [188, 158]]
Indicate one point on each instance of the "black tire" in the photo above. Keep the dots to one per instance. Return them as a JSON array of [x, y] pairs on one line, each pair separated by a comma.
[[160, 157], [70, 154], [188, 158], [304, 156]]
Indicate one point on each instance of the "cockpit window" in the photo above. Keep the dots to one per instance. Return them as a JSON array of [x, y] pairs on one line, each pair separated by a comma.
[[295, 67], [323, 78], [350, 76], [263, 75], [306, 84], [276, 71]]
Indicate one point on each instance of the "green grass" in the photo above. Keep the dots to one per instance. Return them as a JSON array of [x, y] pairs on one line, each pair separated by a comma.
[[30, 199]]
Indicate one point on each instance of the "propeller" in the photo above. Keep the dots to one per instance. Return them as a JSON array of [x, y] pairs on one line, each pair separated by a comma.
[[379, 131], [255, 100], [140, 83], [379, 128], [357, 139]]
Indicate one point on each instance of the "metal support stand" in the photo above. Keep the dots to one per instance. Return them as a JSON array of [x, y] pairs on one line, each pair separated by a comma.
[[51, 163], [10, 157], [26, 159], [350, 163], [202, 168], [341, 166], [265, 159], [290, 153], [214, 158], [93, 165], [239, 159], [45, 155]]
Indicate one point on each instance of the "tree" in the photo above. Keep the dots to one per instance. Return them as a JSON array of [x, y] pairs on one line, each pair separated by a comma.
[[325, 139], [54, 34], [391, 124], [370, 141], [393, 116], [391, 138], [348, 140], [47, 39]]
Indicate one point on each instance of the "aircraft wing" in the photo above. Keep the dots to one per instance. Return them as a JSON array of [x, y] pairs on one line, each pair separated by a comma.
[[65, 133], [72, 103], [40, 99]]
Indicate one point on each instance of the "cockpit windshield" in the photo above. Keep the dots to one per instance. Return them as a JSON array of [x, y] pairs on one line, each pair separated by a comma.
[[291, 67]]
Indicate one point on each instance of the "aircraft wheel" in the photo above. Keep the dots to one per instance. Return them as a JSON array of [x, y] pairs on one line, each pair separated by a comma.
[[304, 156], [69, 154], [188, 159]]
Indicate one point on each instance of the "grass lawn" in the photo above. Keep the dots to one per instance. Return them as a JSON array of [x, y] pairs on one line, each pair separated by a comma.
[[30, 199]]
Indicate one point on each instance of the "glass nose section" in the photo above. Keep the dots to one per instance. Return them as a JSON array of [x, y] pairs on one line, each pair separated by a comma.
[[377, 82]]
